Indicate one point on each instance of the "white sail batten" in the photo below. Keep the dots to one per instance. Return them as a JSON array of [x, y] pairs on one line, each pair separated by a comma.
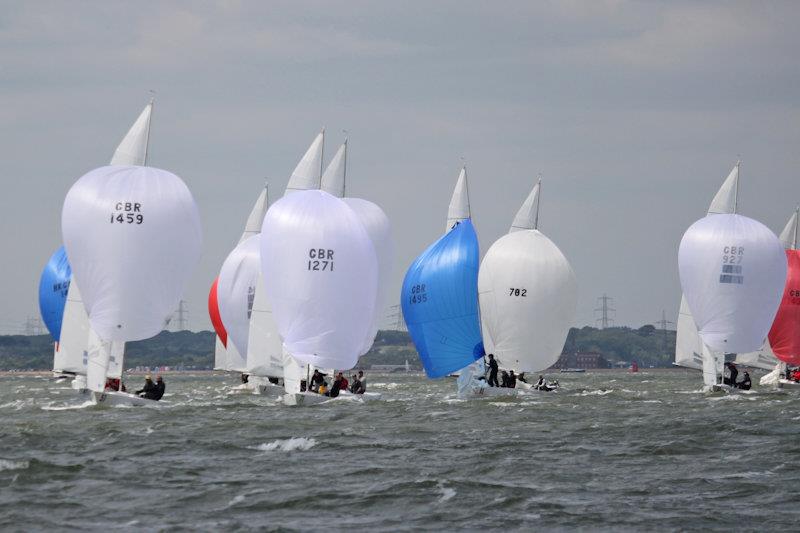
[[459, 208], [308, 172], [528, 214], [333, 180], [133, 148]]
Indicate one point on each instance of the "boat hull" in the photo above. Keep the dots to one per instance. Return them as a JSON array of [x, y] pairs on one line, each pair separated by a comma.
[[113, 398]]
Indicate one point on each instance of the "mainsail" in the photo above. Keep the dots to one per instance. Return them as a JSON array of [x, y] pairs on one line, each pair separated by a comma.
[[308, 173], [528, 295], [459, 208]]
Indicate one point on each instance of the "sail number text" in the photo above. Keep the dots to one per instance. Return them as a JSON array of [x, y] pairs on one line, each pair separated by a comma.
[[418, 294], [320, 259], [732, 255], [127, 213], [523, 293]]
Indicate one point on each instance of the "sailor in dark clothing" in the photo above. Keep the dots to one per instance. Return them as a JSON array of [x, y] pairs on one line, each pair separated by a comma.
[[336, 387], [317, 379], [504, 379], [521, 377], [159, 390], [745, 384], [148, 388], [733, 373], [512, 380], [493, 372]]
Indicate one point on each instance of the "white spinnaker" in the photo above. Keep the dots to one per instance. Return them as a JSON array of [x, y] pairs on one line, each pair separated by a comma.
[[236, 290], [264, 347], [308, 172], [688, 345], [379, 229], [732, 271], [333, 179], [320, 272], [71, 355], [133, 148], [133, 237], [459, 208], [528, 297], [764, 358]]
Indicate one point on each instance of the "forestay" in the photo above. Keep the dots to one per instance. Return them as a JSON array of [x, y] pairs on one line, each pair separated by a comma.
[[439, 298], [236, 290], [133, 238], [320, 273], [732, 272]]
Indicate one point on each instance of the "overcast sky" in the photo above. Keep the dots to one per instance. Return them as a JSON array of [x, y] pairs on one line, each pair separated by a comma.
[[634, 113]]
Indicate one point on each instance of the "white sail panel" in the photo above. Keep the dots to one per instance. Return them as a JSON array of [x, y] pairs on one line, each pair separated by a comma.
[[788, 236], [71, 352], [133, 148], [763, 358], [133, 237], [528, 214], [320, 272], [459, 208], [732, 270], [724, 201], [713, 366], [236, 290], [116, 360], [256, 217], [293, 373], [308, 172], [333, 180], [264, 347], [98, 360], [379, 229], [528, 298], [220, 355], [688, 346]]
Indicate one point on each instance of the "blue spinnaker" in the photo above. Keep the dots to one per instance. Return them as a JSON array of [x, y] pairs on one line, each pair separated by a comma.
[[53, 287], [440, 302]]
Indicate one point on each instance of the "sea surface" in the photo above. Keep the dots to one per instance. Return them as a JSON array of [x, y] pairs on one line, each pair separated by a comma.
[[610, 451]]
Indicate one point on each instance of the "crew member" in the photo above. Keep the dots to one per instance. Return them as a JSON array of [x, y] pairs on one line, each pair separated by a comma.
[[158, 393], [149, 387], [745, 384], [512, 380], [493, 372]]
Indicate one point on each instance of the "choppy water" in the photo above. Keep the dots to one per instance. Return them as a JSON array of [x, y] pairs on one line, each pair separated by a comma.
[[612, 451]]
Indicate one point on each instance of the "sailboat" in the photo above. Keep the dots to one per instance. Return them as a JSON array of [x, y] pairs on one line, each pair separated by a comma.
[[528, 295], [133, 237], [375, 221], [784, 336], [320, 272], [439, 299], [71, 348], [732, 271]]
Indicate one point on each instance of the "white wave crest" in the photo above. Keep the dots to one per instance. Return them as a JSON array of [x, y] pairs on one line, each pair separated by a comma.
[[287, 445], [5, 464]]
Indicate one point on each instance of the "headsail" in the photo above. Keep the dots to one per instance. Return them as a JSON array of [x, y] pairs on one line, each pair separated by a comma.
[[459, 209], [133, 148], [308, 172], [333, 180]]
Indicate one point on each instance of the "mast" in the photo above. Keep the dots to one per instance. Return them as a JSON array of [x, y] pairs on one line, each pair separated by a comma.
[[538, 202], [736, 188]]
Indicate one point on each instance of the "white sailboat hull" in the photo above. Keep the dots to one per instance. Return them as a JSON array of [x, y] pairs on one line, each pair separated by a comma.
[[488, 392], [113, 398]]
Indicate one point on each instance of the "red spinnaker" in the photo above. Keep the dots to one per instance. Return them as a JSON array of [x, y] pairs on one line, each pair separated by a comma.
[[213, 313], [784, 337]]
